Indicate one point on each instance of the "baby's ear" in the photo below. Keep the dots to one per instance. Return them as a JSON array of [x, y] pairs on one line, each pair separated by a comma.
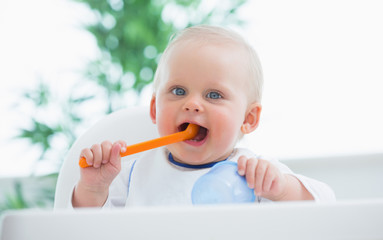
[[252, 117], [153, 109]]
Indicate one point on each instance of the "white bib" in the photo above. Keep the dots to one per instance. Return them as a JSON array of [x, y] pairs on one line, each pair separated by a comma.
[[154, 180]]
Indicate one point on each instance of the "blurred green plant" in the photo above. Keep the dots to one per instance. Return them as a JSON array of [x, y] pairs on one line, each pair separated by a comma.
[[131, 35], [16, 200], [22, 193]]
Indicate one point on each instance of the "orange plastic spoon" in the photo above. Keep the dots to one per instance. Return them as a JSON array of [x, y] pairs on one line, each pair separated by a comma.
[[190, 132]]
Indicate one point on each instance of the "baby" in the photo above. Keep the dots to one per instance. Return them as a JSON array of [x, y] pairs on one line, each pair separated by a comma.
[[209, 76]]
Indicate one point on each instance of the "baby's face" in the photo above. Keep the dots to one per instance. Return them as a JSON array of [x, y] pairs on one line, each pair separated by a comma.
[[204, 85]]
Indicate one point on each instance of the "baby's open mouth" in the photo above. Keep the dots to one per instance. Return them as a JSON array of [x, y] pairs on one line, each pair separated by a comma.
[[201, 135]]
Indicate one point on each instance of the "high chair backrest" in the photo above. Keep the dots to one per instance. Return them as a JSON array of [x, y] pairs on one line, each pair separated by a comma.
[[132, 125]]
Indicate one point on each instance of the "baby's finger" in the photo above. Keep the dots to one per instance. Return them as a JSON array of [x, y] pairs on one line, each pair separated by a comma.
[[88, 155], [259, 176], [251, 165], [268, 180], [115, 158], [123, 145], [97, 155], [106, 147], [241, 165]]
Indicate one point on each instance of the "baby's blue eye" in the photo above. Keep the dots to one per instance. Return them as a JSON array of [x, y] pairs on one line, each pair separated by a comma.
[[214, 95], [178, 91]]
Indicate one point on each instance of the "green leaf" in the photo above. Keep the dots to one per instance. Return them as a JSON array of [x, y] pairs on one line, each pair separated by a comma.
[[39, 134]]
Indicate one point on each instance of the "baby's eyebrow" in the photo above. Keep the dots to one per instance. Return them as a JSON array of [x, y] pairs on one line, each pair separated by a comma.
[[174, 81]]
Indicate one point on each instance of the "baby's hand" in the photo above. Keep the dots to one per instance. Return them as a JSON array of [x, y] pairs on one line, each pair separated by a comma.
[[105, 163], [262, 176]]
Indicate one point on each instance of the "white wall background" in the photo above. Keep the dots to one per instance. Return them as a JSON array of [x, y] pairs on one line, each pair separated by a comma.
[[322, 62]]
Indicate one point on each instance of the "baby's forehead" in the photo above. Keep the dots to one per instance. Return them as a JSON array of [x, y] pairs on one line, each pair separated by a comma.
[[219, 49]]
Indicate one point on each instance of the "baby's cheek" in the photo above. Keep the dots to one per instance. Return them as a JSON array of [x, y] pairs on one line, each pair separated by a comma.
[[227, 134], [224, 143]]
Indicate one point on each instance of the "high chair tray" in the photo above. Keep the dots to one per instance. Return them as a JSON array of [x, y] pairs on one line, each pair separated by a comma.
[[359, 219]]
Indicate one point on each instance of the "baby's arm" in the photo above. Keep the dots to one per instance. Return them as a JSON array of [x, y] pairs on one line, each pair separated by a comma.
[[105, 163], [269, 182]]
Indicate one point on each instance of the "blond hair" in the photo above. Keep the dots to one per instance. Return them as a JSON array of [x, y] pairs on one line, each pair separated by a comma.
[[214, 34]]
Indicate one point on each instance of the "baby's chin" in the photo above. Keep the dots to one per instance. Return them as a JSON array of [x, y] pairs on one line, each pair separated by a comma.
[[189, 157], [196, 157]]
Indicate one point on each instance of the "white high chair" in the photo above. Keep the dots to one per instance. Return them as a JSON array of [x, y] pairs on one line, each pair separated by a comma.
[[132, 125]]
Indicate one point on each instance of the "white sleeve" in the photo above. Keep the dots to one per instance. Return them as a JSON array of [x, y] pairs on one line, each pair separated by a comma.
[[319, 190], [118, 190]]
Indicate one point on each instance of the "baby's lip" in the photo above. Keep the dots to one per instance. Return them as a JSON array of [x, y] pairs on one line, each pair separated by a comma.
[[202, 132]]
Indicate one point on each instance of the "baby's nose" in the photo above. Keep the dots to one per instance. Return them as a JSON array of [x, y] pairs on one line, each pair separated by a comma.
[[196, 109], [193, 106]]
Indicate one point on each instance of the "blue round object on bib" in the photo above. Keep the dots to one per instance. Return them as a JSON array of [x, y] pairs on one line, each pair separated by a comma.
[[222, 184]]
